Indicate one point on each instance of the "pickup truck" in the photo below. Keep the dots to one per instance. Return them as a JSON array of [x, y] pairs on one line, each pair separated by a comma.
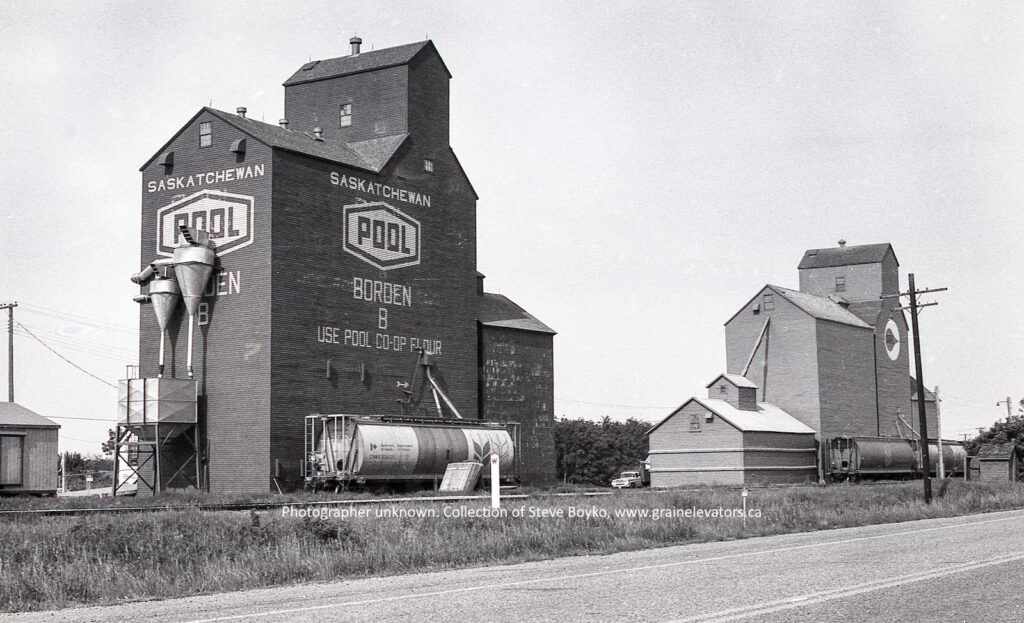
[[628, 480]]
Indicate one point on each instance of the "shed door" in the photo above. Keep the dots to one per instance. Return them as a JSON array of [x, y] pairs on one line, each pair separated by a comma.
[[11, 459]]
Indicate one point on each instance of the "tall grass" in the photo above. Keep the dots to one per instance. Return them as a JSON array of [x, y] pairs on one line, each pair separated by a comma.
[[51, 562]]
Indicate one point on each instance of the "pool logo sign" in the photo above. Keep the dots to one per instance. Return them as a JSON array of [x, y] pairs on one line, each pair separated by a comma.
[[227, 217], [381, 235]]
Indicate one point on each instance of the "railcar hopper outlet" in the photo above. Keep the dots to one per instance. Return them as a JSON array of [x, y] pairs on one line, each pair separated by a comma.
[[326, 265]]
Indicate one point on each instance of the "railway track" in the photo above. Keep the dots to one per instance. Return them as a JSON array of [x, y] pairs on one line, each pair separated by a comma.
[[268, 506]]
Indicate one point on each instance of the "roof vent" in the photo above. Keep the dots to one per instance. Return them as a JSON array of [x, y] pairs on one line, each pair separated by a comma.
[[356, 42], [241, 111], [318, 134], [283, 123], [842, 242]]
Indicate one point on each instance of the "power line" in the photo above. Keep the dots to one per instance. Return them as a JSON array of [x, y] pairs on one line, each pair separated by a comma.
[[79, 344], [66, 360], [81, 440], [85, 419], [604, 404], [99, 324]]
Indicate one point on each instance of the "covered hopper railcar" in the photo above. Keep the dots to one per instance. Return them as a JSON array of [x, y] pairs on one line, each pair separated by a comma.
[[859, 458], [345, 450]]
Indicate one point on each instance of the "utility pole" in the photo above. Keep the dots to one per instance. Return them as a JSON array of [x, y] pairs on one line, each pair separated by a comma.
[[1007, 402], [915, 306], [938, 434], [10, 348]]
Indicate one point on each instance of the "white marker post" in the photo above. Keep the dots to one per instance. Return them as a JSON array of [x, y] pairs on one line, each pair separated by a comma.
[[495, 486], [744, 508]]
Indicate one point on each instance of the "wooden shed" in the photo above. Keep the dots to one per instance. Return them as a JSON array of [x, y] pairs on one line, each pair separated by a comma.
[[28, 452], [730, 439], [997, 462]]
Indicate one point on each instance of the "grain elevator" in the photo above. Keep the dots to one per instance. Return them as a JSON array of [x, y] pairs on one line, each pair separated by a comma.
[[344, 257]]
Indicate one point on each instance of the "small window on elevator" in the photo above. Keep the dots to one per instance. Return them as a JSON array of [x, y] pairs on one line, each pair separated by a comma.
[[205, 134], [840, 284], [345, 116]]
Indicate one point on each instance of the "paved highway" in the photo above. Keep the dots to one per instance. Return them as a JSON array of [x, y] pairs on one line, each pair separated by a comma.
[[960, 569]]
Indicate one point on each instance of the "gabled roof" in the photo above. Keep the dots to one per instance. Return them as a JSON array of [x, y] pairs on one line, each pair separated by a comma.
[[372, 155], [820, 307], [768, 418], [846, 256], [365, 61], [996, 451], [929, 396], [13, 414], [376, 152], [815, 306], [498, 311], [736, 379]]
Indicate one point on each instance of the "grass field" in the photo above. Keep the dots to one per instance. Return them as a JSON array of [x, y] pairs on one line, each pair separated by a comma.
[[52, 562]]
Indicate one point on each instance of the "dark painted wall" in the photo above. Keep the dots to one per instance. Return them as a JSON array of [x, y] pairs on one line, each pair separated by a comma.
[[517, 384], [232, 348], [317, 315], [379, 102]]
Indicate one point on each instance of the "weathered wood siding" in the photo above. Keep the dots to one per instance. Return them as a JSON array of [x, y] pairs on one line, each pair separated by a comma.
[[28, 460]]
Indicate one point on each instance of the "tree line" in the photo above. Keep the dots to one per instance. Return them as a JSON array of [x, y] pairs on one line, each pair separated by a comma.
[[595, 452]]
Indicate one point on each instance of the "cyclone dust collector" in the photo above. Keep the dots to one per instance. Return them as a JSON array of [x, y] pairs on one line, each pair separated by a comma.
[[193, 265], [163, 293], [184, 275]]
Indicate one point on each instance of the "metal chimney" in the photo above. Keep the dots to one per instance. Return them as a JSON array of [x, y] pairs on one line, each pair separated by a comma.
[[164, 294], [283, 123], [241, 111], [193, 265], [318, 134], [356, 42]]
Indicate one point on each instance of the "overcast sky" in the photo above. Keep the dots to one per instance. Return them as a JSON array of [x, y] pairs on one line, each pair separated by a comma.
[[642, 169]]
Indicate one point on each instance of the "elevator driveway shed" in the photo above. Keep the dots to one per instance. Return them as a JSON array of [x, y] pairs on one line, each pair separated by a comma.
[[729, 438]]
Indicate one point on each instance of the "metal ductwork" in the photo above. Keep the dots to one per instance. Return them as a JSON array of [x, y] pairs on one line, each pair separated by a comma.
[[156, 268]]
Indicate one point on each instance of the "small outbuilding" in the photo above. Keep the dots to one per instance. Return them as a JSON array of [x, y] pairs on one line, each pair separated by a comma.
[[28, 451], [997, 462], [729, 438]]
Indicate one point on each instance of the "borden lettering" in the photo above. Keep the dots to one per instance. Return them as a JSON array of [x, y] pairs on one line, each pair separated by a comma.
[[373, 291]]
